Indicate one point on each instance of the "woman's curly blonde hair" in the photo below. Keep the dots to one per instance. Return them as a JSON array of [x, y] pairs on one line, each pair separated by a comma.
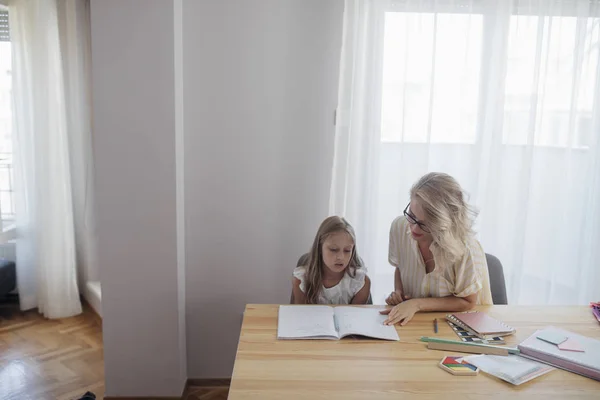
[[448, 215]]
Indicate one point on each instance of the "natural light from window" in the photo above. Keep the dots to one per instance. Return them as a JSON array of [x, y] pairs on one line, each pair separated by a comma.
[[423, 52], [6, 151], [433, 76], [564, 114]]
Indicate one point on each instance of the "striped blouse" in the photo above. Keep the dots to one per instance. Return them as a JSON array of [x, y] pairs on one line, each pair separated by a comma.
[[465, 277]]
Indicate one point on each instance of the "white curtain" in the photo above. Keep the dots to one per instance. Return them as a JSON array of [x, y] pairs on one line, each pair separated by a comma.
[[52, 134], [503, 95]]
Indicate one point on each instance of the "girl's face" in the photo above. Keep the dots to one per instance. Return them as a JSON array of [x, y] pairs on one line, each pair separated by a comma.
[[337, 251]]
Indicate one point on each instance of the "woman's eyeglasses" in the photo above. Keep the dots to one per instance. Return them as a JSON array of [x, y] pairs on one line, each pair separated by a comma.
[[412, 220]]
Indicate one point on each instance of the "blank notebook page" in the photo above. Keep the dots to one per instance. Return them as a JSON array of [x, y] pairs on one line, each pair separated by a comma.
[[305, 321]]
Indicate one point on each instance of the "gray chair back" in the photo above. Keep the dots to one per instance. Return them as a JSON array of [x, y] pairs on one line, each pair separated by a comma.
[[303, 260], [497, 283]]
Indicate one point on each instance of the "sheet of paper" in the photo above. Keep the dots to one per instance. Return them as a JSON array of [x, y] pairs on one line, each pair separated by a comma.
[[363, 321], [552, 337], [571, 345], [306, 322]]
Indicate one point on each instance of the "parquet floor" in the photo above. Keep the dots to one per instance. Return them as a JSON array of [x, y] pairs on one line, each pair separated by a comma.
[[44, 359], [207, 393], [49, 359]]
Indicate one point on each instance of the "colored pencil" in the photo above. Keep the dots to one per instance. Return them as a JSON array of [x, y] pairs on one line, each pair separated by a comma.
[[435, 328]]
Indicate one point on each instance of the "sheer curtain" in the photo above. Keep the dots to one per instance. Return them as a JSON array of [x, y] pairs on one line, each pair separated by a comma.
[[504, 96], [52, 134]]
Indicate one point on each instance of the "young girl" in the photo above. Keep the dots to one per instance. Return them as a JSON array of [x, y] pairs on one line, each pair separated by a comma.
[[334, 274]]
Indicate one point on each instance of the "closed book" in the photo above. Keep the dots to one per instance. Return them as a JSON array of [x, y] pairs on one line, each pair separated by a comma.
[[586, 363], [480, 324]]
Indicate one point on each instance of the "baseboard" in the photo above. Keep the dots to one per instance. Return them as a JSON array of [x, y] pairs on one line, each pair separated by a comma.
[[141, 398], [215, 382], [224, 382], [183, 393], [87, 305], [195, 383], [93, 294]]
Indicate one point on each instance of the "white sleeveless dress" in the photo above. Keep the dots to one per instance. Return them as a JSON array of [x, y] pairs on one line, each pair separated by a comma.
[[342, 293]]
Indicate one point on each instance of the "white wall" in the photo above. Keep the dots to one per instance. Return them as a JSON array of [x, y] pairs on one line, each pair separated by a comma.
[[260, 88], [133, 74], [251, 87]]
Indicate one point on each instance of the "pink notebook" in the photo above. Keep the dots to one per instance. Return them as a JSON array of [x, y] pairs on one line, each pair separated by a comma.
[[481, 324]]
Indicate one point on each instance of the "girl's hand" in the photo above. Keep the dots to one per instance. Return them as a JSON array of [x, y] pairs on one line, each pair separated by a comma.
[[396, 297], [402, 313]]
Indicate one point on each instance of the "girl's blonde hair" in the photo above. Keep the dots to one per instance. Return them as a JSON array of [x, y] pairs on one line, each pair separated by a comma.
[[449, 217], [315, 267]]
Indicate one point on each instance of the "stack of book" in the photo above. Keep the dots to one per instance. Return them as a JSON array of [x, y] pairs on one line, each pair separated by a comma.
[[564, 349]]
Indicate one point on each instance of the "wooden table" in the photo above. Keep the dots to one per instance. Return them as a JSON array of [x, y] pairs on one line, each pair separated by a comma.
[[266, 368]]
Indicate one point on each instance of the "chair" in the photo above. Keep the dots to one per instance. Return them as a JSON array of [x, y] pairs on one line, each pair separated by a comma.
[[497, 283], [303, 260]]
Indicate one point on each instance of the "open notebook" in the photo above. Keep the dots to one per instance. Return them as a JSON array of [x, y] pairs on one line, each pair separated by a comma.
[[325, 322]]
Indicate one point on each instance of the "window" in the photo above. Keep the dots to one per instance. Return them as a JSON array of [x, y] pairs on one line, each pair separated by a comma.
[[563, 117], [422, 100], [7, 211], [437, 73]]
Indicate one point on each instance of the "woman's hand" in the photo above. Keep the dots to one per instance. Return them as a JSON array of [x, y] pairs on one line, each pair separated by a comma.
[[402, 313], [396, 297]]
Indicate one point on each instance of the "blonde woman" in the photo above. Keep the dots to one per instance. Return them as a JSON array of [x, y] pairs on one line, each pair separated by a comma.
[[334, 274], [440, 266]]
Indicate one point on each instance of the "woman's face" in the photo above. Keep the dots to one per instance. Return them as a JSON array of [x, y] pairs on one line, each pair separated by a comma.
[[416, 213]]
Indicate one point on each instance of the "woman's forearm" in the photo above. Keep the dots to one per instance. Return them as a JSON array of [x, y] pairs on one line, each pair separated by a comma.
[[449, 303]]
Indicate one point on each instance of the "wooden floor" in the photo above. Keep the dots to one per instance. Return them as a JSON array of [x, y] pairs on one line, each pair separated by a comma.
[[49, 359], [207, 393], [60, 359]]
